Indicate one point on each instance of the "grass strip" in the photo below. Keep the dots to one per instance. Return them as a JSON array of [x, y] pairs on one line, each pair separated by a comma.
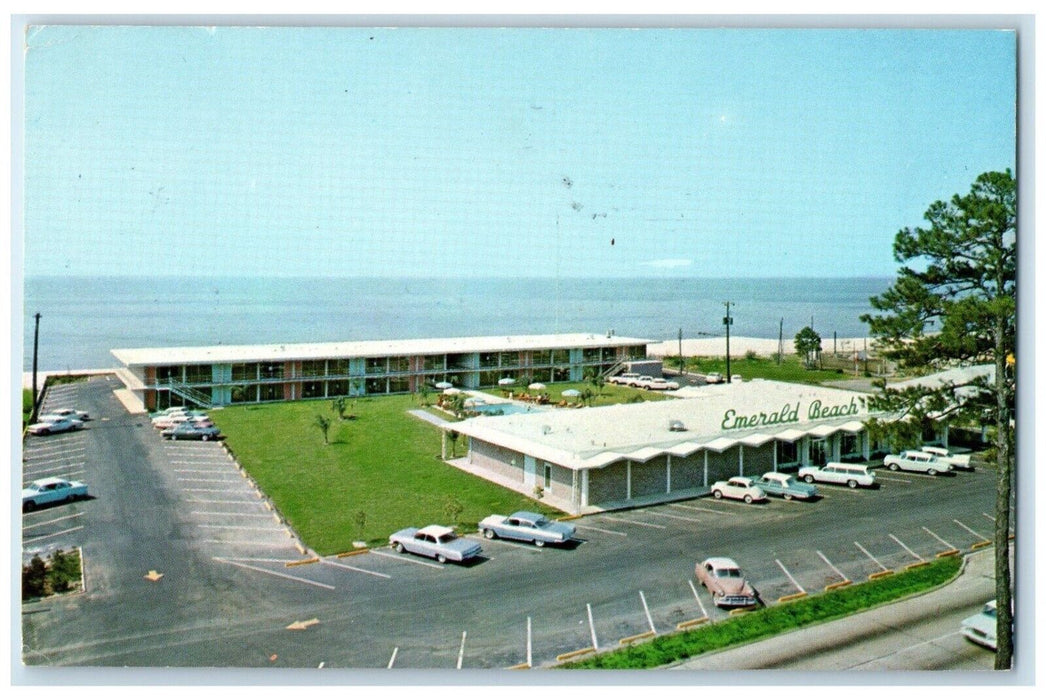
[[771, 621]]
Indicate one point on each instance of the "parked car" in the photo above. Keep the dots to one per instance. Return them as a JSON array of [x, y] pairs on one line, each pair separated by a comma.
[[526, 526], [165, 422], [723, 579], [656, 384], [736, 379], [176, 410], [956, 461], [58, 425], [981, 628], [916, 461], [741, 488], [436, 541], [51, 490], [190, 430], [68, 413], [853, 475], [786, 486], [714, 378], [626, 379]]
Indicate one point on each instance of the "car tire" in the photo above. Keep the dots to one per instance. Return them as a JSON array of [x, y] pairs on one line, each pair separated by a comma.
[[174, 437], [398, 547], [441, 559], [788, 496], [717, 494], [205, 438], [748, 498], [932, 472], [852, 484], [539, 543], [809, 478], [893, 466], [29, 507], [489, 534]]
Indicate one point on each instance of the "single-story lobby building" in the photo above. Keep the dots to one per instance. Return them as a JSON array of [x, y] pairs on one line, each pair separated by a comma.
[[593, 459]]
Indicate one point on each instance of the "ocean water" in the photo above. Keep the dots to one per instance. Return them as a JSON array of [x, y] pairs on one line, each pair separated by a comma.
[[83, 318]]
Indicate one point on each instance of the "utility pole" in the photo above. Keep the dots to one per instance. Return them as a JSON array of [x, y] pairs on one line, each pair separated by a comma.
[[780, 342], [727, 321], [682, 365], [36, 342]]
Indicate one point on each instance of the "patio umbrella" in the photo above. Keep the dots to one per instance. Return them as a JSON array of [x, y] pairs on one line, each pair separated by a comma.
[[451, 390], [537, 386], [443, 385], [571, 393], [506, 381]]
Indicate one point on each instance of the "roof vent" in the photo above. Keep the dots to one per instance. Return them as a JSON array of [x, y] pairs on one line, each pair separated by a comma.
[[676, 426]]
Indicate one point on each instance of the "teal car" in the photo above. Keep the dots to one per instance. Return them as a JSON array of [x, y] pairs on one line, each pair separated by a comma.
[[51, 490], [786, 486]]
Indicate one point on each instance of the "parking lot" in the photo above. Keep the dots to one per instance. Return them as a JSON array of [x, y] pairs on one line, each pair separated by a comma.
[[238, 589]]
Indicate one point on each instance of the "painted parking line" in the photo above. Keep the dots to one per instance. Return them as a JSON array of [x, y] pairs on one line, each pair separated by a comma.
[[277, 574], [906, 548], [210, 481], [599, 529], [893, 479], [699, 508], [51, 454], [461, 651], [69, 469], [52, 521], [233, 514], [669, 515], [197, 463], [845, 579], [869, 555], [52, 534], [194, 490], [634, 522], [243, 527], [517, 545], [220, 501], [407, 559], [252, 543], [354, 568]]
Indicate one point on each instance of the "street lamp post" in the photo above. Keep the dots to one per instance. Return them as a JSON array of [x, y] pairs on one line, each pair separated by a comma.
[[727, 321], [682, 365], [36, 343]]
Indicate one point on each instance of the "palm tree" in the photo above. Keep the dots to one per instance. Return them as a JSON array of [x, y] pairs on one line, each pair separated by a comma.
[[324, 424]]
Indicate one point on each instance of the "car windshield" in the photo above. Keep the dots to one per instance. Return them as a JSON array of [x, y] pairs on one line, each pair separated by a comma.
[[728, 573], [449, 537]]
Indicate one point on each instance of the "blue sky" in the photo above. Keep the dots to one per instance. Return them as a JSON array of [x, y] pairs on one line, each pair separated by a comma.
[[442, 152]]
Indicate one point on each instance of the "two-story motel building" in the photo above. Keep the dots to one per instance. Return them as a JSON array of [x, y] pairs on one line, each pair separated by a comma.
[[221, 375]]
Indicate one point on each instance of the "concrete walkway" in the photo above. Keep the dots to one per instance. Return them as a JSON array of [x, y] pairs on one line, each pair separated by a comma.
[[856, 640]]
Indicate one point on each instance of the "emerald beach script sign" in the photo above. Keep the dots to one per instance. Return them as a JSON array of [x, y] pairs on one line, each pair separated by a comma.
[[788, 414]]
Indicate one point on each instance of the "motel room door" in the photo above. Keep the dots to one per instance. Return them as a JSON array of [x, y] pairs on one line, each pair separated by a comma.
[[530, 471]]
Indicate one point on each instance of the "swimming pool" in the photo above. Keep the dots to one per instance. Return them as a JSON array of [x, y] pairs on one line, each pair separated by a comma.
[[504, 409]]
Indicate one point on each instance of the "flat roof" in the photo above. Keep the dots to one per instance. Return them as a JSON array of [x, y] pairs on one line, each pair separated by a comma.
[[715, 417], [216, 354]]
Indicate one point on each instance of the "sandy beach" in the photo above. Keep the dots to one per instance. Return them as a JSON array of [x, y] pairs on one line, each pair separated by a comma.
[[739, 345]]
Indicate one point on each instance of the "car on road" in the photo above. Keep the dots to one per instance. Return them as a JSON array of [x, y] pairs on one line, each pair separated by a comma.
[[713, 378], [916, 461], [956, 461], [723, 579], [655, 384], [58, 425], [190, 430], [68, 413], [436, 541], [528, 527], [981, 628], [51, 490], [628, 378], [786, 486], [741, 488], [853, 475]]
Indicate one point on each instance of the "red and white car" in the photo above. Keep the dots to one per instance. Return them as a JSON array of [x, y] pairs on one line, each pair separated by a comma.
[[723, 579]]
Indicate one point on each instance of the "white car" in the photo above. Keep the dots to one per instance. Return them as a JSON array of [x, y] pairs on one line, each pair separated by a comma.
[[741, 488], [68, 413], [916, 461], [853, 475], [981, 628], [714, 378], [626, 379], [58, 425], [956, 461]]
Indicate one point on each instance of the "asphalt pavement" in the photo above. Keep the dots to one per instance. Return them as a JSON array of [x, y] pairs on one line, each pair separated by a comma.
[[919, 632]]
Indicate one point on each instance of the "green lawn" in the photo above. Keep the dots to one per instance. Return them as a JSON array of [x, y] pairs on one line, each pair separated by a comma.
[[385, 464], [790, 370]]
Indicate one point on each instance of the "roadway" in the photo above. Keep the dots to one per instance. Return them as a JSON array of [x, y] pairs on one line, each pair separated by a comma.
[[234, 593]]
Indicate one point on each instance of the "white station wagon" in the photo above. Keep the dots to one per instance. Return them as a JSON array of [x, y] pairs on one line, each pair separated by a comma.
[[917, 461], [853, 475]]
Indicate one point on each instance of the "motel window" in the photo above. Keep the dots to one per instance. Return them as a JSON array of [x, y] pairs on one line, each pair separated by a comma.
[[337, 368], [198, 374], [609, 354], [377, 365], [548, 475], [399, 364], [636, 352], [508, 359], [244, 394], [399, 385], [166, 374], [560, 374], [542, 357], [244, 372], [488, 359], [787, 453], [312, 390], [818, 451], [434, 363], [376, 386], [591, 355], [271, 370], [561, 357], [851, 445], [270, 392], [313, 368], [338, 387]]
